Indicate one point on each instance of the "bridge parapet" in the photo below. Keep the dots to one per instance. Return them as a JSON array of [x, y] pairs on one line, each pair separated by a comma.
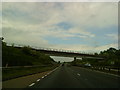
[[59, 52]]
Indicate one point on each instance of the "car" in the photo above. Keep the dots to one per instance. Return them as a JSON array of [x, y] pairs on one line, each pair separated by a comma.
[[87, 65]]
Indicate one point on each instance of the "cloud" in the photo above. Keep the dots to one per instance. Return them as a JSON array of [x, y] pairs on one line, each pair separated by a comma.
[[85, 48], [83, 33], [30, 23], [61, 1], [62, 59], [78, 14], [91, 14], [12, 36], [46, 29], [105, 47], [113, 36]]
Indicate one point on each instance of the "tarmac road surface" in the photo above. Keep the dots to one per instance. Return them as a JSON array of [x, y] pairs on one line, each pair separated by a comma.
[[76, 77]]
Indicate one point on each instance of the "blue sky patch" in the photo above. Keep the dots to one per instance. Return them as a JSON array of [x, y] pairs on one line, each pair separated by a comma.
[[64, 25]]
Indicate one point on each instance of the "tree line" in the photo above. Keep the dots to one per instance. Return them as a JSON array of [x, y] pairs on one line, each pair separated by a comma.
[[111, 59]]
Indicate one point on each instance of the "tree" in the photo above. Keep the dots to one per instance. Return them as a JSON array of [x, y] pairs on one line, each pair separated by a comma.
[[1, 38], [26, 50]]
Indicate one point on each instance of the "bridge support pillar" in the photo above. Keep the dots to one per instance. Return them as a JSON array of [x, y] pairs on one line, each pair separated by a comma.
[[74, 58]]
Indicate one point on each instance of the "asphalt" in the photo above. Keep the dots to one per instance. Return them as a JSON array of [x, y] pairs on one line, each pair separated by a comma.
[[22, 82], [76, 77]]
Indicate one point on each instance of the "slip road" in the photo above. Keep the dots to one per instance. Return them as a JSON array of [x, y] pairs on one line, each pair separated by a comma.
[[76, 77]]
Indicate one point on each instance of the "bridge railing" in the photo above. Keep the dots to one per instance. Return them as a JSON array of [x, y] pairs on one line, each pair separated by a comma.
[[51, 49]]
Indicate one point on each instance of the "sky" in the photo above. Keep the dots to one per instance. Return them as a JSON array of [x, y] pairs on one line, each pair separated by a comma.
[[77, 26], [60, 1]]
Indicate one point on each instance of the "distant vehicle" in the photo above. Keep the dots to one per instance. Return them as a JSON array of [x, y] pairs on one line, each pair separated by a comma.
[[87, 65]]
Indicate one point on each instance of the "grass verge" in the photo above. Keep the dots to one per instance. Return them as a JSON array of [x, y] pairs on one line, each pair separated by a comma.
[[11, 73]]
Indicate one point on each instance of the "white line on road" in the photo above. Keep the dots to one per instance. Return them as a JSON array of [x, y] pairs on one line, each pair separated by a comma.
[[31, 84], [49, 72], [43, 77], [78, 74], [53, 70], [38, 80]]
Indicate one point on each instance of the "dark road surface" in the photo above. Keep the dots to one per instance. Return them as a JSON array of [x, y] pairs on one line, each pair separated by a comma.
[[77, 77]]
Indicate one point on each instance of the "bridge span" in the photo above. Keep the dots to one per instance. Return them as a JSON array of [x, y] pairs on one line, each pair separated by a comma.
[[63, 53], [53, 52]]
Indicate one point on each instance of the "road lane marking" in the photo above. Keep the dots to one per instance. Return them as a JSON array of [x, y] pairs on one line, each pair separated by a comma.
[[78, 74], [50, 72], [53, 70], [38, 80], [43, 77], [32, 84]]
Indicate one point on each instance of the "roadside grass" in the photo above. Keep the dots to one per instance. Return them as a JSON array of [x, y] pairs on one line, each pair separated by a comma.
[[11, 73], [23, 61]]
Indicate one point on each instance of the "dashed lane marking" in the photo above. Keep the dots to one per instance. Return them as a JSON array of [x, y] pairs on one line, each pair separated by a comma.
[[78, 74], [38, 80], [31, 84], [42, 76]]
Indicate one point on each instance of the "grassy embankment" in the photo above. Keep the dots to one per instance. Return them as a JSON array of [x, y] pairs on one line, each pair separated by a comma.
[[24, 56]]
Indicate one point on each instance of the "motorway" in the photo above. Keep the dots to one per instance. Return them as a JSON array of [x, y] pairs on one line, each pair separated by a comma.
[[76, 77]]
